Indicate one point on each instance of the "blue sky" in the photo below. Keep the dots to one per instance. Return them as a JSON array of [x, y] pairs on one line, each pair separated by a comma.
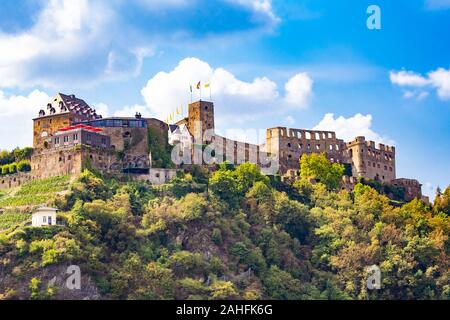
[[270, 63]]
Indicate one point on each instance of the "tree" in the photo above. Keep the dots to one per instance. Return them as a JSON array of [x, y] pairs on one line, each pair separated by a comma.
[[246, 175], [318, 167], [223, 185]]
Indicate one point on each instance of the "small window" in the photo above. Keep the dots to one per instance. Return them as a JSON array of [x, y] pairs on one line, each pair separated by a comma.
[[44, 219]]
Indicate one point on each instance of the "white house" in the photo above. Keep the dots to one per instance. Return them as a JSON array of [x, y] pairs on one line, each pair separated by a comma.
[[44, 216]]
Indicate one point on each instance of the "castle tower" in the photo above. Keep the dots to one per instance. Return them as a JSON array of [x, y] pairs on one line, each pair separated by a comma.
[[371, 162], [201, 119]]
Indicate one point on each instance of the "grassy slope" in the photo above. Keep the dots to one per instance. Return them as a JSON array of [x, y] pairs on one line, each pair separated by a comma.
[[17, 203]]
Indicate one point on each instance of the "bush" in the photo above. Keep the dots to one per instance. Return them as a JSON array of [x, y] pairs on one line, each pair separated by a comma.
[[24, 166], [5, 169], [12, 168]]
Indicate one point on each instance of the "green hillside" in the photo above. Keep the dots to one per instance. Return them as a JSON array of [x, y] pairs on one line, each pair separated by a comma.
[[229, 234]]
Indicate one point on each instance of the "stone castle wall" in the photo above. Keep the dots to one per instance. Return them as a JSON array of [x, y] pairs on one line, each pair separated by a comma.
[[290, 144], [370, 161], [15, 180], [72, 161]]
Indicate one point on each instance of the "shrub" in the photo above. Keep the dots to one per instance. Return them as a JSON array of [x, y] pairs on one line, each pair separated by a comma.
[[5, 169], [12, 168], [24, 166]]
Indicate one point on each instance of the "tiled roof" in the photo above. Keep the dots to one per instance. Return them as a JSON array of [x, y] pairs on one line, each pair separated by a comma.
[[64, 103]]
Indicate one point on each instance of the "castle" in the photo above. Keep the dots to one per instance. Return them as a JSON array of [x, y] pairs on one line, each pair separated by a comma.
[[68, 136]]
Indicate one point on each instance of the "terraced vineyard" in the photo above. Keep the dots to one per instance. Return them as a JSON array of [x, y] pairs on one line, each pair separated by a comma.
[[34, 192], [10, 218]]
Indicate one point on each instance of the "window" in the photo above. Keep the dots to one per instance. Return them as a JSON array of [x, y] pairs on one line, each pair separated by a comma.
[[66, 138], [75, 137], [44, 219], [289, 145], [317, 146]]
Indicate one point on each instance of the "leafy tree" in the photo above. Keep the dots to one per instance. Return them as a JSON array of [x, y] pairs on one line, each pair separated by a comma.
[[246, 175], [318, 167], [223, 185]]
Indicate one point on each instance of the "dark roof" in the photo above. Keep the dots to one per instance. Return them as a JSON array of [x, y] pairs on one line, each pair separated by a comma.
[[63, 104], [172, 127]]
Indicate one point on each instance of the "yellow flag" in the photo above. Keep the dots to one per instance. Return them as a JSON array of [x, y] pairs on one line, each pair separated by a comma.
[[207, 85]]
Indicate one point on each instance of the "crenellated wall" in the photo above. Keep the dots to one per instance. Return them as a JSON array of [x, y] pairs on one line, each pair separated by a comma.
[[291, 144], [371, 161]]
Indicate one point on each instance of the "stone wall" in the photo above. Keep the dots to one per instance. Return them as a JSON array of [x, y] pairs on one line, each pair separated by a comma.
[[72, 161], [157, 176], [290, 144], [132, 143], [413, 188], [15, 180], [370, 161]]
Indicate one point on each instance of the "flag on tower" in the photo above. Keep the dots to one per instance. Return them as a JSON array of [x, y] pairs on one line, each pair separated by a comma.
[[207, 85], [199, 85]]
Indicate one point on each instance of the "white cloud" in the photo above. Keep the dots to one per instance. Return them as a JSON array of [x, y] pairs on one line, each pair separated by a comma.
[[441, 80], [129, 111], [259, 6], [237, 101], [64, 30], [349, 128], [83, 42], [16, 114], [438, 79], [408, 78], [298, 90], [101, 108]]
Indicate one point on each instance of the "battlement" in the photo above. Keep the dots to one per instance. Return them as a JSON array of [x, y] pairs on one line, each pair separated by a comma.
[[301, 133], [371, 144]]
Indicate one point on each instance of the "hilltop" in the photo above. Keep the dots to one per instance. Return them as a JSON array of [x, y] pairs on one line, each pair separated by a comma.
[[231, 233]]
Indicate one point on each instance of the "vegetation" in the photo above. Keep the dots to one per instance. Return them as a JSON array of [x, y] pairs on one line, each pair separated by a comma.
[[35, 192], [15, 155], [160, 149], [240, 236]]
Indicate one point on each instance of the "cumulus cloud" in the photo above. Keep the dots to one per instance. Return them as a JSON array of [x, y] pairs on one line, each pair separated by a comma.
[[438, 80], [84, 42], [298, 90], [408, 78], [349, 128], [237, 100], [16, 114]]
